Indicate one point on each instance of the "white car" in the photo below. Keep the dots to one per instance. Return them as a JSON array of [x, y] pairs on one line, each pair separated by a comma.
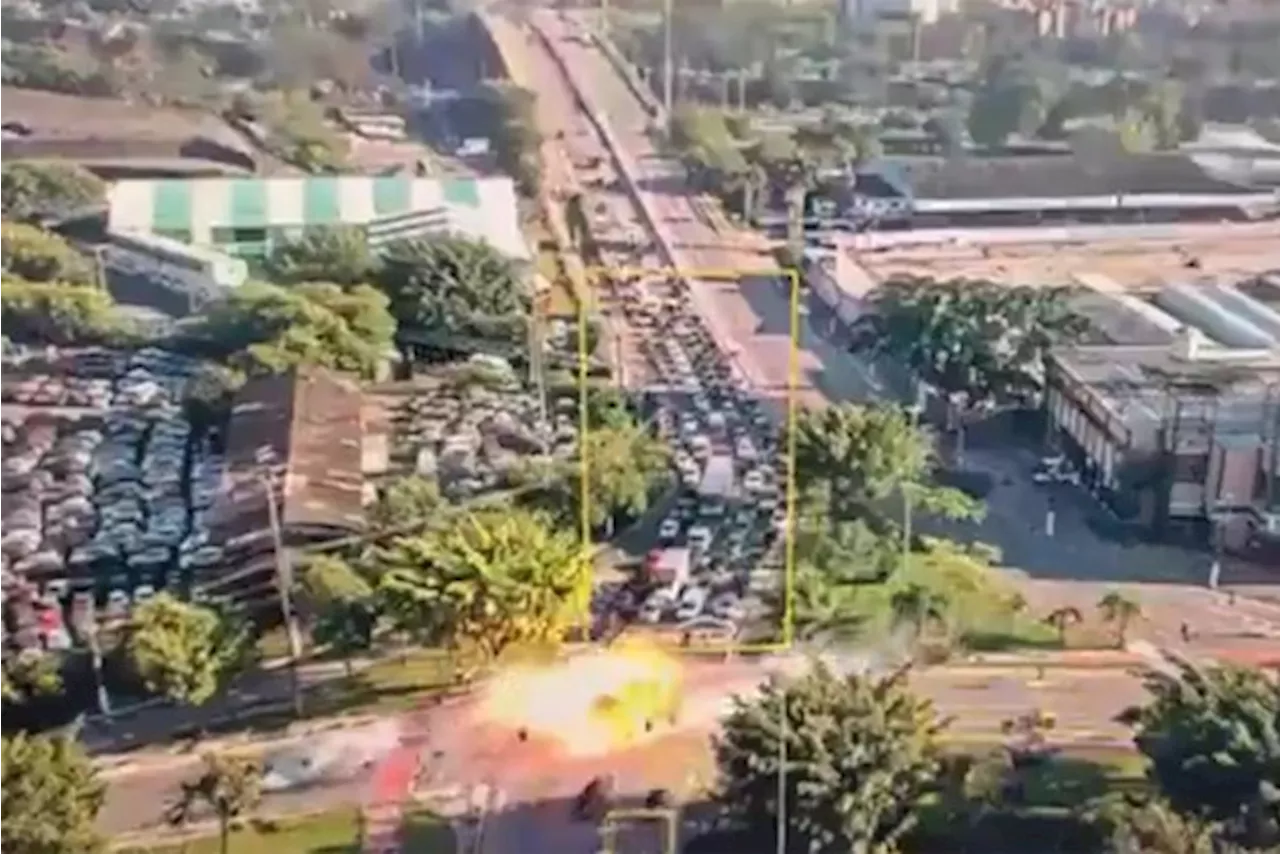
[[655, 607], [728, 606], [699, 537], [753, 482], [669, 530], [745, 450], [692, 601]]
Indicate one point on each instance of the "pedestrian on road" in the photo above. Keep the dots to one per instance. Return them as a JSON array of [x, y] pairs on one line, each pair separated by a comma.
[[1186, 633]]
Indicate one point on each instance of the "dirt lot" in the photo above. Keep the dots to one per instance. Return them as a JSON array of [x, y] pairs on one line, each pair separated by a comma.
[[1232, 252]]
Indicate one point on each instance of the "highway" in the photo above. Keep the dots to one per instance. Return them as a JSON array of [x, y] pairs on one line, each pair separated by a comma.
[[751, 316]]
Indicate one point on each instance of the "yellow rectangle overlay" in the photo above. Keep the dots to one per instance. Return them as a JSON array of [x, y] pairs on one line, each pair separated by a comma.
[[586, 307], [670, 819]]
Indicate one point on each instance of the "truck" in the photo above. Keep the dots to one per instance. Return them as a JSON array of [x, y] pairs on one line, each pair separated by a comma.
[[669, 568], [717, 486]]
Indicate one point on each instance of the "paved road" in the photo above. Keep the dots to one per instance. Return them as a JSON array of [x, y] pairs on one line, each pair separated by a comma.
[[753, 315], [537, 779]]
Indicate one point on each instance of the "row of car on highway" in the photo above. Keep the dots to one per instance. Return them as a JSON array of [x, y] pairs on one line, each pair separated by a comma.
[[714, 541]]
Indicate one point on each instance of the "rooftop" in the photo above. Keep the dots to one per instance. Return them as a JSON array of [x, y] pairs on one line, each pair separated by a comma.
[[1144, 385], [1056, 176], [50, 115], [305, 430]]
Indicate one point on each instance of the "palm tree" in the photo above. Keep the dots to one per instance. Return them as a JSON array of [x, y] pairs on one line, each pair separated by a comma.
[[1062, 619], [230, 786], [917, 606], [1119, 610]]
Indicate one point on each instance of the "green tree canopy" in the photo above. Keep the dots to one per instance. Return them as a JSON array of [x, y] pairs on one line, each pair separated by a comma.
[[626, 467], [495, 580], [36, 255], [452, 286], [56, 312], [31, 674], [340, 255], [514, 132], [861, 754], [977, 338], [260, 328], [850, 458], [229, 786], [405, 501], [33, 190], [342, 604], [52, 796], [1213, 738], [184, 651]]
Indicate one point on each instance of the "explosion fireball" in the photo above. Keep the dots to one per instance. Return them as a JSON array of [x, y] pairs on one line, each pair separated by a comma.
[[591, 704]]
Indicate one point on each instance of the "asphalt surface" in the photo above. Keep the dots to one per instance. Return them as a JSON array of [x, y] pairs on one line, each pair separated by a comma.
[[752, 315]]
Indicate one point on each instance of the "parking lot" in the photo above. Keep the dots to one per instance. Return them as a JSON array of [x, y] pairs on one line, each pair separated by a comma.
[[106, 489], [470, 427]]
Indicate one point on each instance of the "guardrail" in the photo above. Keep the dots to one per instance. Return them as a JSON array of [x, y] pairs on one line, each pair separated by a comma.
[[628, 73]]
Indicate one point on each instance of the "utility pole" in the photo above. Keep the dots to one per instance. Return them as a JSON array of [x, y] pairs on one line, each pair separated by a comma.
[[284, 581], [667, 80]]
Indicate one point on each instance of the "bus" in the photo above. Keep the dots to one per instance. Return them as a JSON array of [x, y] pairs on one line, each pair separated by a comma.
[[174, 259]]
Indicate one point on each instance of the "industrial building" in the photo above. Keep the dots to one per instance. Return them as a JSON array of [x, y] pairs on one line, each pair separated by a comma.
[[1084, 187], [245, 217], [1174, 418]]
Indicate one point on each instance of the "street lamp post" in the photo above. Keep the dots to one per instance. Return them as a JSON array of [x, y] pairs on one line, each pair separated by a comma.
[[1219, 518], [913, 412], [284, 582]]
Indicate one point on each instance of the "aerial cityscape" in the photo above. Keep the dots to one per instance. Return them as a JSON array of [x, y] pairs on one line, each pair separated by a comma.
[[641, 426]]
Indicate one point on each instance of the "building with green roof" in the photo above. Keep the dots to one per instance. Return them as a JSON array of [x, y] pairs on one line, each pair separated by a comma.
[[246, 216]]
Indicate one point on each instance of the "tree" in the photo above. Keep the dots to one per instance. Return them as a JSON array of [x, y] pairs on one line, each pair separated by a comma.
[[975, 339], [850, 457], [230, 787], [1153, 827], [625, 468], [52, 796], [917, 607], [184, 651], [861, 753], [513, 130], [263, 329], [31, 674], [1212, 736], [1062, 619], [1119, 611], [406, 501], [451, 286], [31, 190], [56, 313], [343, 606], [495, 580], [36, 255], [340, 255], [1012, 98]]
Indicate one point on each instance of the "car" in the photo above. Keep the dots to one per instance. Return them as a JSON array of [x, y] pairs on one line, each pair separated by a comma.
[[669, 530], [655, 607], [727, 606], [691, 604], [700, 537]]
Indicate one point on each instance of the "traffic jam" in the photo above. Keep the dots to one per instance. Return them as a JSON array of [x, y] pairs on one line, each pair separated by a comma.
[[717, 559]]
